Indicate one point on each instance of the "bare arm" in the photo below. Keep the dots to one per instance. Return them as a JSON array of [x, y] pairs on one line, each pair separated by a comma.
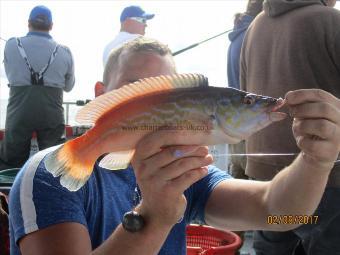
[[73, 238], [297, 190]]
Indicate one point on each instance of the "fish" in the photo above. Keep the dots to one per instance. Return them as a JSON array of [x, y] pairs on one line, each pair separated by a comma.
[[122, 117]]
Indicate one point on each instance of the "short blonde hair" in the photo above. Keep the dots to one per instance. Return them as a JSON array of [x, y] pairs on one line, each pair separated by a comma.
[[140, 44]]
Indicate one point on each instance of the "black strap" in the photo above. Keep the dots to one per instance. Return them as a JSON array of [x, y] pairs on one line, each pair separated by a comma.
[[24, 56]]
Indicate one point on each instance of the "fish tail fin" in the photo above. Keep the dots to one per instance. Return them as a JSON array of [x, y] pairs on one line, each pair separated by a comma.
[[71, 163]]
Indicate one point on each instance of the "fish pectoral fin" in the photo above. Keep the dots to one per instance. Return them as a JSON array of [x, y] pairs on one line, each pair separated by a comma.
[[117, 160]]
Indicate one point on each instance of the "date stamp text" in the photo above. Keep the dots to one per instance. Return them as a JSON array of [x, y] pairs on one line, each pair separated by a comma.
[[292, 219]]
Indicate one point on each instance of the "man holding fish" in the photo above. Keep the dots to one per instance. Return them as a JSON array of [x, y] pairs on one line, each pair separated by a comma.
[[170, 180]]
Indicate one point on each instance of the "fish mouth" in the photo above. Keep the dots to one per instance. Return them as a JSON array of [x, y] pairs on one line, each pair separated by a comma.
[[273, 114], [280, 102]]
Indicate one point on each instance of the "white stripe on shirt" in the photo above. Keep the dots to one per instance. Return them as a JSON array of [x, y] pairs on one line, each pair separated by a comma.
[[29, 215]]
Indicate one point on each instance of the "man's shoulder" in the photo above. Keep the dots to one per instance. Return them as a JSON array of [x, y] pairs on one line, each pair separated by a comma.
[[214, 176], [317, 14], [38, 200], [34, 174], [121, 38], [124, 37], [35, 185], [65, 48], [215, 169], [11, 42]]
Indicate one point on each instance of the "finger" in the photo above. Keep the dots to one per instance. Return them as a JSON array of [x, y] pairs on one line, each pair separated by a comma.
[[181, 166], [151, 144], [167, 153], [315, 127], [321, 150], [277, 116], [173, 153], [310, 95], [322, 110], [184, 181]]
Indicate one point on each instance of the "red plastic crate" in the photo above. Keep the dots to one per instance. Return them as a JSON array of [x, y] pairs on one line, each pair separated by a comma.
[[205, 240]]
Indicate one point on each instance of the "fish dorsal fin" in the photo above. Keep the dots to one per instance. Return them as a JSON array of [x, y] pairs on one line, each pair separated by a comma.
[[91, 112]]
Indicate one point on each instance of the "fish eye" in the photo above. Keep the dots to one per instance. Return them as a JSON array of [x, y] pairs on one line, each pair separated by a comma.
[[249, 99]]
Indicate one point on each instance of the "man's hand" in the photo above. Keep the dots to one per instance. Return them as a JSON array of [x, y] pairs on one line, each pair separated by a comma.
[[316, 124], [164, 172]]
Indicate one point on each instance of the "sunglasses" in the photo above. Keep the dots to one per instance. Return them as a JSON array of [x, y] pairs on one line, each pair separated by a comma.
[[139, 19]]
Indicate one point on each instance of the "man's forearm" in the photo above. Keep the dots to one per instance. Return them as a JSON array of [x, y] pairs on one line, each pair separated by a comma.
[[297, 190], [148, 241]]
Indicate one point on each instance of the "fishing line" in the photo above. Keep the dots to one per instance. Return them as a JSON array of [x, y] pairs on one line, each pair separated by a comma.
[[258, 154], [337, 162], [3, 39]]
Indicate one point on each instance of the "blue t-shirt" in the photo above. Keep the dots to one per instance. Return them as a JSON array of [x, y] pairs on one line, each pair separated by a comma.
[[37, 200]]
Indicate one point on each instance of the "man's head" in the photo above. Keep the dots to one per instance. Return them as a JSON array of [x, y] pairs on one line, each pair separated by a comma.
[[40, 19], [133, 20], [138, 59]]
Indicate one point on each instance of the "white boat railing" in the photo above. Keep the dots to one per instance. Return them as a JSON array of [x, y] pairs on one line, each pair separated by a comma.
[[67, 107]]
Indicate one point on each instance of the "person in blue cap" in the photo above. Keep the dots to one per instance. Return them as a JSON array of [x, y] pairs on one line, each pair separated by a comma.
[[133, 23], [38, 70]]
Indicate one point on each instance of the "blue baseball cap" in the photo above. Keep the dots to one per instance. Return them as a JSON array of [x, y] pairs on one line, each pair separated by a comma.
[[134, 11], [41, 15]]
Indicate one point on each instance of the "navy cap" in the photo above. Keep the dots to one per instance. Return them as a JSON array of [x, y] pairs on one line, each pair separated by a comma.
[[134, 11], [41, 15]]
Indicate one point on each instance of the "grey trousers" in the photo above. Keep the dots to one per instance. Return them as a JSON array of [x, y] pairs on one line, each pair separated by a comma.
[[31, 109]]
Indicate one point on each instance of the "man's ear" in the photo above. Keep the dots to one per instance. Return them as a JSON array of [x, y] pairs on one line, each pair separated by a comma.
[[99, 89]]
